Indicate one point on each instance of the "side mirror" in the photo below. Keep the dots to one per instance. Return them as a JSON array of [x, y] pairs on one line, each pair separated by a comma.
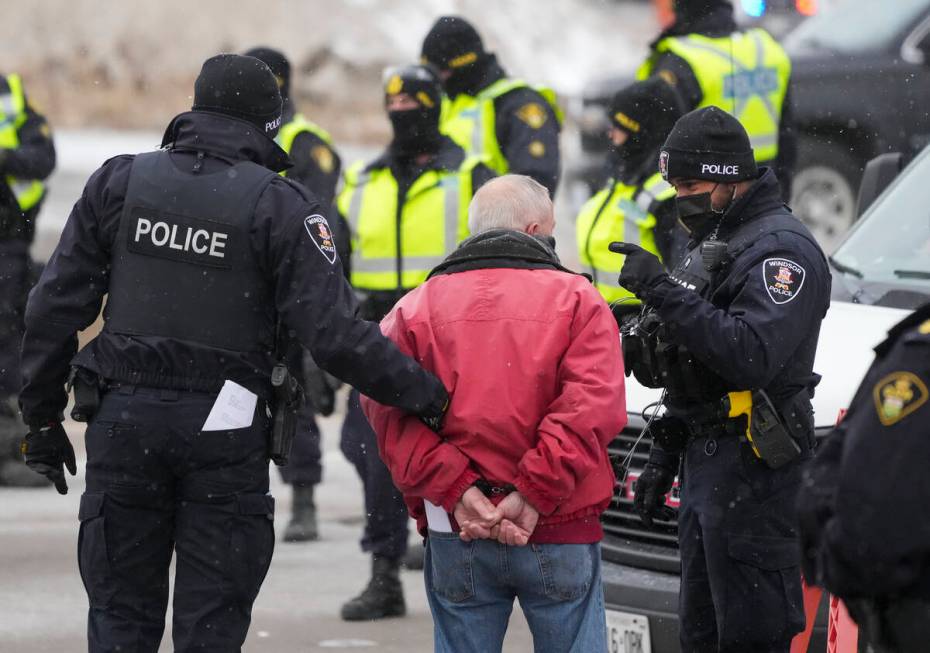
[[923, 47], [916, 47], [877, 176]]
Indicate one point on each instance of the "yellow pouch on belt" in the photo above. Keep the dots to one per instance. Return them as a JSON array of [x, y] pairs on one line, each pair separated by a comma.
[[770, 440]]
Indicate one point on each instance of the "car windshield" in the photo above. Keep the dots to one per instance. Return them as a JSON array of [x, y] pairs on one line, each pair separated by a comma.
[[891, 243], [856, 26]]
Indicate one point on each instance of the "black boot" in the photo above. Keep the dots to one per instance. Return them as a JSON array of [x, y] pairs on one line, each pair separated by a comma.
[[302, 527], [415, 558], [383, 597]]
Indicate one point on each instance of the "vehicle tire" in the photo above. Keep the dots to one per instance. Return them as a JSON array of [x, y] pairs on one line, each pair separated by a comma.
[[823, 190]]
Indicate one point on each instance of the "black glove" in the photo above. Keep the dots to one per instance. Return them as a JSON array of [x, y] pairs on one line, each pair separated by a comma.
[[653, 484], [319, 387], [641, 269], [46, 451], [436, 413]]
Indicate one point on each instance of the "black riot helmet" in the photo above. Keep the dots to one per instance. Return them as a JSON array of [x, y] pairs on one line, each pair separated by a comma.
[[416, 123]]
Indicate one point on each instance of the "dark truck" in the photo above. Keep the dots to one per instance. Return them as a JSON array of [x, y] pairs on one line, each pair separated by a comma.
[[860, 87], [881, 271]]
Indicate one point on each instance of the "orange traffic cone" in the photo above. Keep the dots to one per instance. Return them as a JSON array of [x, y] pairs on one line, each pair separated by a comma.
[[842, 632], [812, 596]]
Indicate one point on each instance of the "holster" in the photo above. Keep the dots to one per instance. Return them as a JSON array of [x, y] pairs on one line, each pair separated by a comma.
[[288, 398], [771, 441], [87, 388]]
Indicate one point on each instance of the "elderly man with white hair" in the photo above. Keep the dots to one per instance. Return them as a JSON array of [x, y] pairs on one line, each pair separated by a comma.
[[531, 355]]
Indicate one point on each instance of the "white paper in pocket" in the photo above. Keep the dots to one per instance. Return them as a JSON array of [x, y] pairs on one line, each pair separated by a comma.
[[436, 518], [234, 408]]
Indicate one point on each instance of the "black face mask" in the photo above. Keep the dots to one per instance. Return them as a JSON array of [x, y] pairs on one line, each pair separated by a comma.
[[697, 213], [416, 131]]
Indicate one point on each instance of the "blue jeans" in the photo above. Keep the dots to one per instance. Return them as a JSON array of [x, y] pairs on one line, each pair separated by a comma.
[[471, 587]]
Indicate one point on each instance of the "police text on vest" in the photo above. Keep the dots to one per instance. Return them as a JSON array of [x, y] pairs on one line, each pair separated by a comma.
[[185, 239]]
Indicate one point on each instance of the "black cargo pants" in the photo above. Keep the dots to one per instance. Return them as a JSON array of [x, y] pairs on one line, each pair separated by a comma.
[[157, 485], [385, 511], [740, 558], [15, 280]]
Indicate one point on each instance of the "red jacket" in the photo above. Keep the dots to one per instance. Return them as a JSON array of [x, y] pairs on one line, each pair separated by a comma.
[[532, 360]]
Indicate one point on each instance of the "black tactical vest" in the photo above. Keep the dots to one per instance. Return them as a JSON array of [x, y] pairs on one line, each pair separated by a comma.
[[182, 266], [686, 377]]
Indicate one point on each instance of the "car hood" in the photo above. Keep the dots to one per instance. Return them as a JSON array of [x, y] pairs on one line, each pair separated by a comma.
[[844, 353]]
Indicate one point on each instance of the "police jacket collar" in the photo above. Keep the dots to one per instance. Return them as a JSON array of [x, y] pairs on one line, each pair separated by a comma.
[[919, 316], [224, 137], [762, 198]]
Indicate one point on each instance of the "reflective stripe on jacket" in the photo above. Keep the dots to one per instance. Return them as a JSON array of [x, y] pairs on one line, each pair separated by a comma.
[[396, 249], [296, 126], [28, 192], [471, 120], [746, 73], [618, 212]]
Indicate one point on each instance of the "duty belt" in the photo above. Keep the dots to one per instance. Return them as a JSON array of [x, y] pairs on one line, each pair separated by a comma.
[[709, 420]]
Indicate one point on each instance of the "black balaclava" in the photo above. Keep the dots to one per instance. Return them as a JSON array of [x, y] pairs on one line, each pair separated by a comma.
[[712, 18], [453, 45], [416, 131], [279, 65], [242, 87], [646, 111]]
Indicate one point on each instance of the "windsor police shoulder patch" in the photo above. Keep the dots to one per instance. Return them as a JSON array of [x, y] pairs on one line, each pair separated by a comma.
[[321, 235], [783, 279]]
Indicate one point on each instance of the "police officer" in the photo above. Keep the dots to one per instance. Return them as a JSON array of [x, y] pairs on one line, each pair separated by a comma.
[[710, 62], [862, 530], [514, 124], [316, 166], [200, 248], [730, 334], [636, 204], [27, 157], [407, 210]]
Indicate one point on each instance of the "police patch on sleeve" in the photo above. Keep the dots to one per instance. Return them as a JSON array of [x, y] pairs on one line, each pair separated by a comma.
[[783, 279], [898, 395], [318, 228], [532, 114]]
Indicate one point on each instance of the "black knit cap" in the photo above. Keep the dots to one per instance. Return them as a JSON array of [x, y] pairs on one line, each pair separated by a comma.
[[708, 144], [646, 109], [697, 10], [279, 65], [452, 43], [419, 82], [239, 86]]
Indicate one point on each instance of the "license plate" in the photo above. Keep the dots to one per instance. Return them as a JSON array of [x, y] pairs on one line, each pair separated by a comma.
[[627, 633]]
